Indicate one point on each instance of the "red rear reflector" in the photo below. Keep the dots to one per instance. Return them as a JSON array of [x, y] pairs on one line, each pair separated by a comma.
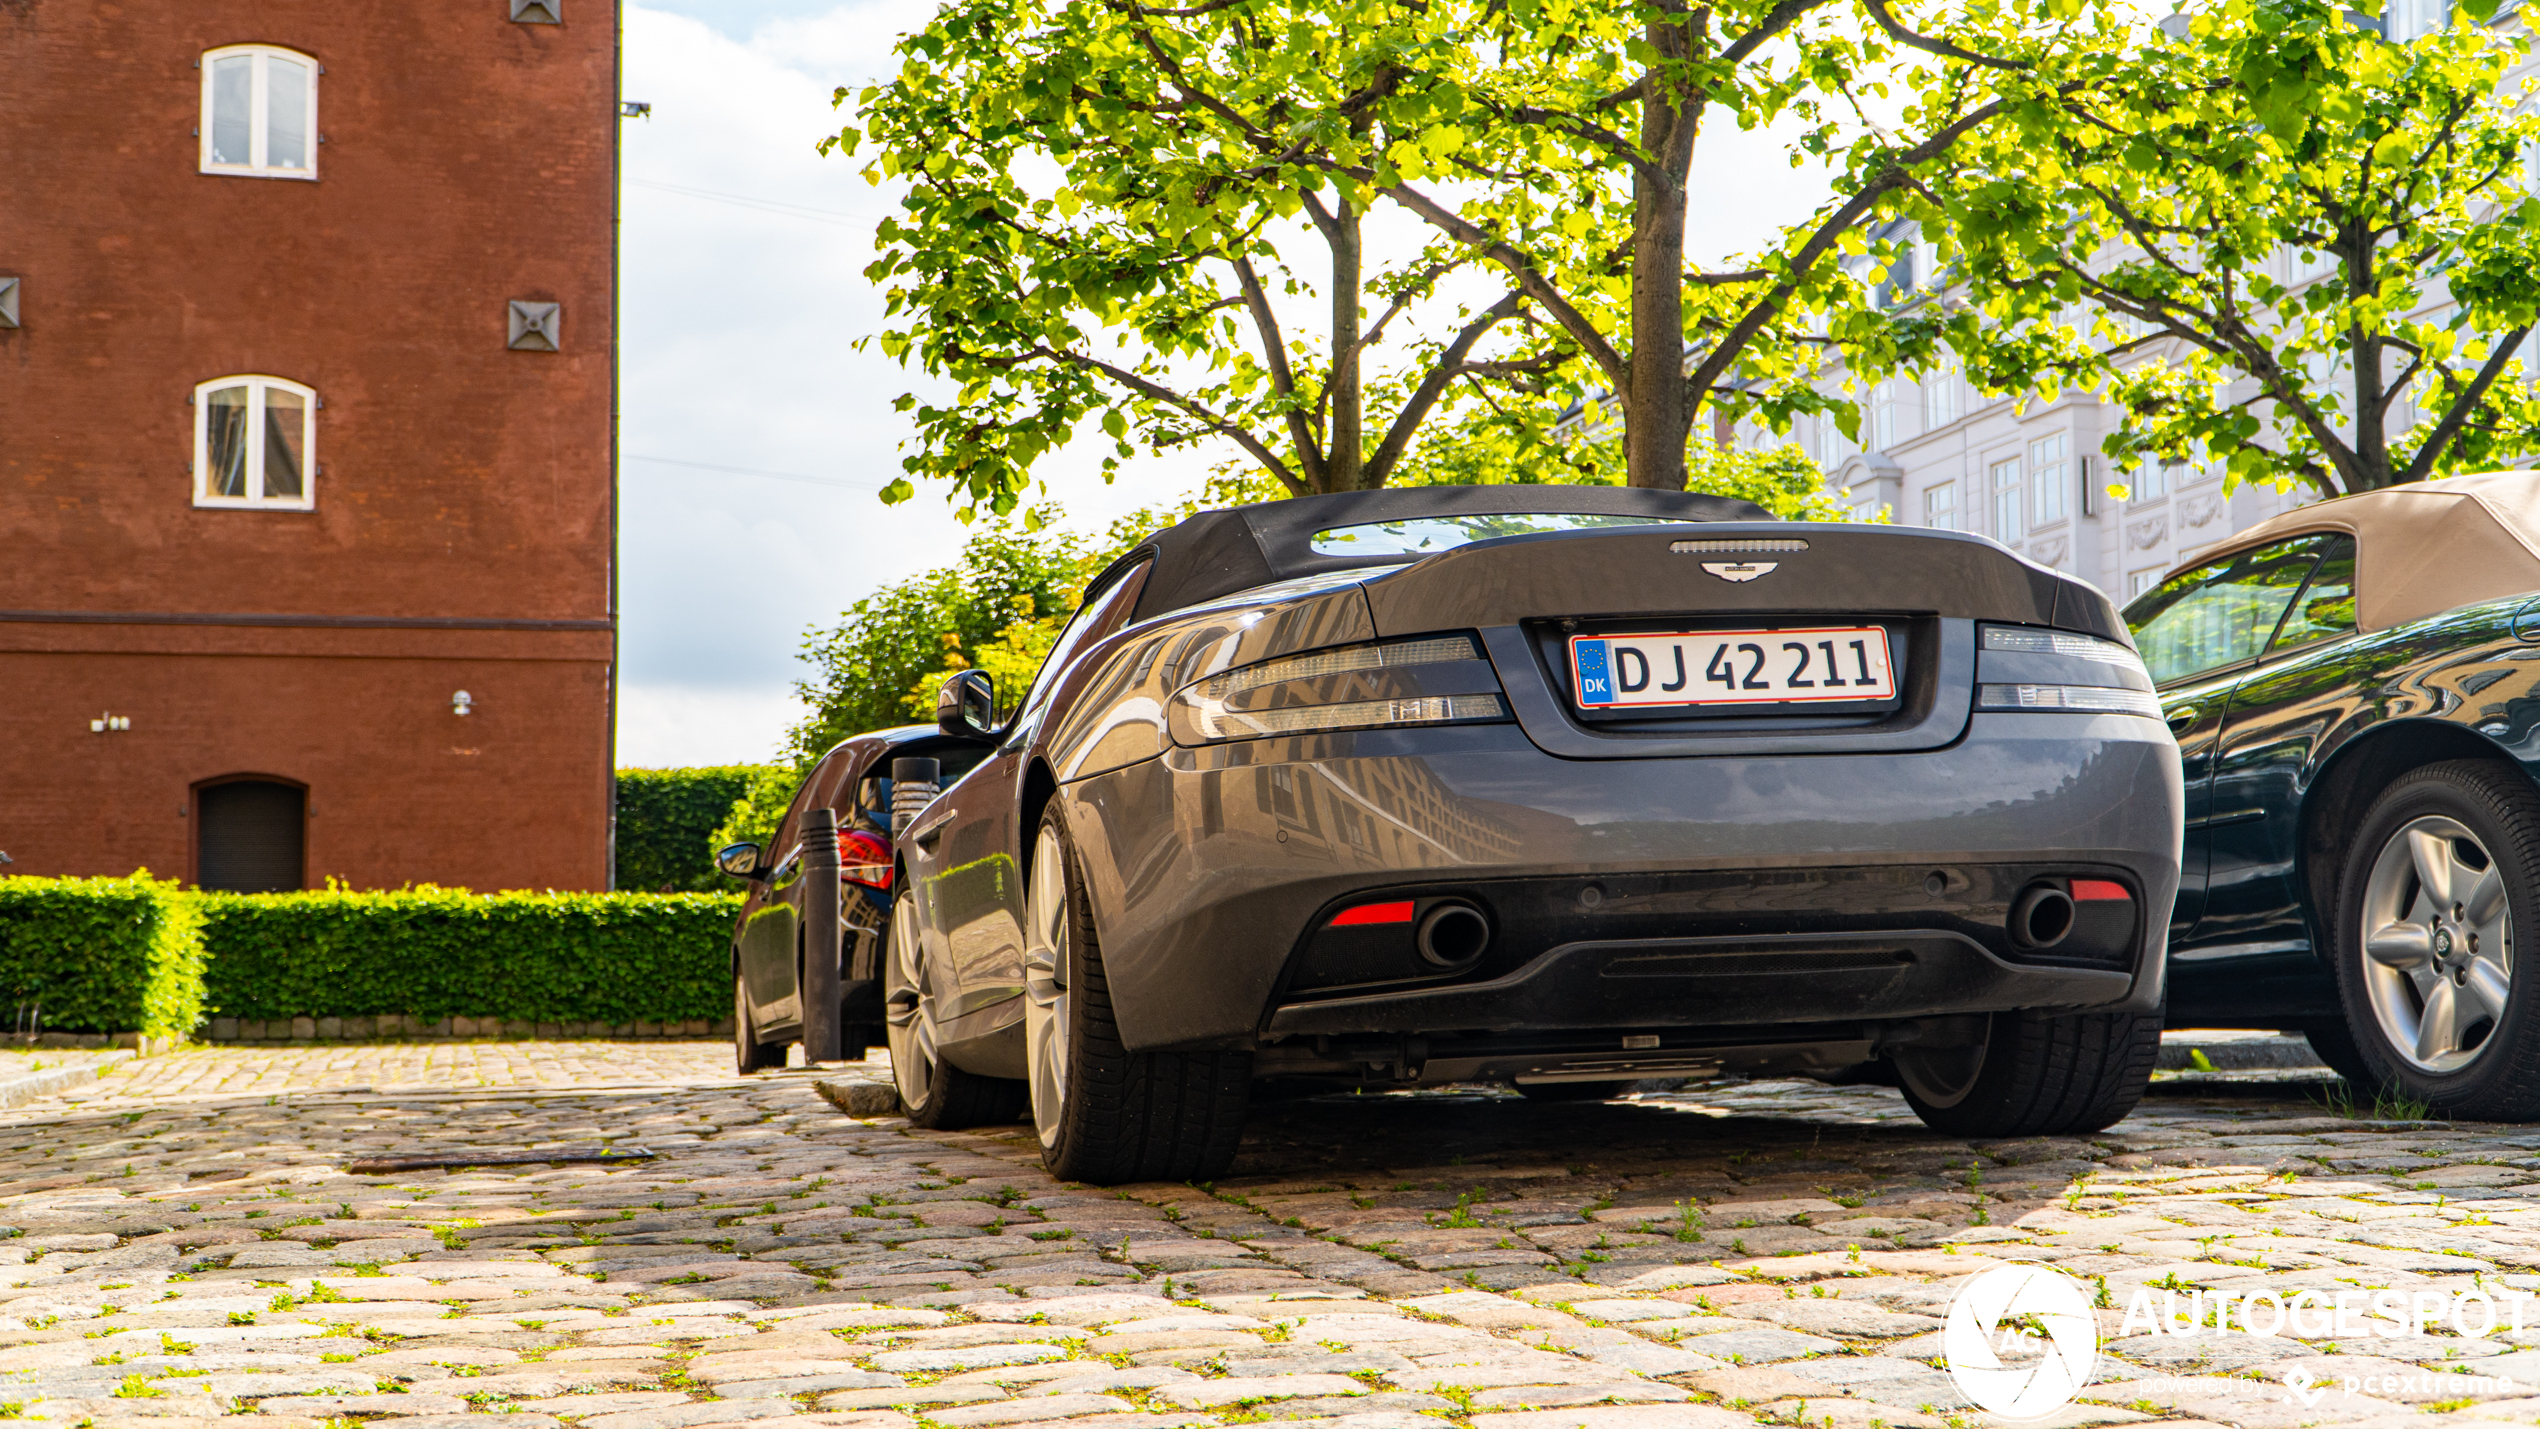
[[2099, 890], [1366, 913]]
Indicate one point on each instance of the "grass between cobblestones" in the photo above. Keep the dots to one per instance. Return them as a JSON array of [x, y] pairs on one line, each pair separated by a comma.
[[188, 1243]]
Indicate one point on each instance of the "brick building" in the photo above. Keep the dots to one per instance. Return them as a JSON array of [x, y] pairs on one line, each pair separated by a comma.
[[306, 440]]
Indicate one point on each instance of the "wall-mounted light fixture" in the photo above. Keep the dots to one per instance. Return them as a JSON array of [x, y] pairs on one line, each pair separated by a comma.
[[109, 724], [9, 296], [634, 109], [537, 12], [461, 702]]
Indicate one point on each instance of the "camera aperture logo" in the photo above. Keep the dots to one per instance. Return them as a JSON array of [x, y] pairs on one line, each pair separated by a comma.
[[2022, 1340]]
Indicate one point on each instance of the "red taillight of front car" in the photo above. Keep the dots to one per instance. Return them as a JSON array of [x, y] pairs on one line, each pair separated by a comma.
[[865, 859]]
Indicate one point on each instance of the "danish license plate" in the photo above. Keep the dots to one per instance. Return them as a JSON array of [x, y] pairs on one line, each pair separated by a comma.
[[1733, 667]]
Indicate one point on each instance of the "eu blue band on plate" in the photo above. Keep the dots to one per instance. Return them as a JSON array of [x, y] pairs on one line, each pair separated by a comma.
[[1596, 678]]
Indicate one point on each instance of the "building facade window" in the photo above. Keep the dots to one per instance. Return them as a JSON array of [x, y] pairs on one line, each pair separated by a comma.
[[1940, 399], [1940, 506], [1883, 417], [255, 440], [2142, 580], [2006, 500], [260, 112], [2050, 476], [2150, 482]]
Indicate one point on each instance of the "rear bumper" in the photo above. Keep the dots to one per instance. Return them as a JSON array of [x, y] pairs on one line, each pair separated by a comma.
[[1208, 867], [1722, 982]]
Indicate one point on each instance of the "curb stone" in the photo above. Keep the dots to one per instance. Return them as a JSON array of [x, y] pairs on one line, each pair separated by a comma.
[[18, 1091]]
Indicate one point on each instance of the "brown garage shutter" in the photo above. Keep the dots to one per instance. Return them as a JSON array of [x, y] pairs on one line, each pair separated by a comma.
[[251, 832]]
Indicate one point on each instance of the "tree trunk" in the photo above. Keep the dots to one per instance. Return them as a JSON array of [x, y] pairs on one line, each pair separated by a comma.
[[1657, 409], [1346, 462], [2371, 469]]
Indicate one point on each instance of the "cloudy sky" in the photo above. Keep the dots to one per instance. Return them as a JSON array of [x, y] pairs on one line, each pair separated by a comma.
[[754, 435]]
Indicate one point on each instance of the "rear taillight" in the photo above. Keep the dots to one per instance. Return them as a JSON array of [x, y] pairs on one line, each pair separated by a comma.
[[2123, 686], [864, 859], [1352, 687]]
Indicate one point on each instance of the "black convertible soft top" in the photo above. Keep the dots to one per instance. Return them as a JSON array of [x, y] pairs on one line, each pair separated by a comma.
[[1218, 553]]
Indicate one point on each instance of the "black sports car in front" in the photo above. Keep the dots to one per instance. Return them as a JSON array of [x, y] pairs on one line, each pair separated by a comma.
[[1562, 787], [2355, 687]]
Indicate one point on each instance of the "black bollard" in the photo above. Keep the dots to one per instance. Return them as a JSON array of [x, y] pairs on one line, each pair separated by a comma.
[[821, 1007], [913, 787]]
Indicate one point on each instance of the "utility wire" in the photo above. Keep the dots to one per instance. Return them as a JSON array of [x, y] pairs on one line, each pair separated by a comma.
[[866, 486], [762, 205]]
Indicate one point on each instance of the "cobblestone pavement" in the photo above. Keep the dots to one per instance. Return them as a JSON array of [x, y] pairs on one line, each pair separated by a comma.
[[1706, 1259]]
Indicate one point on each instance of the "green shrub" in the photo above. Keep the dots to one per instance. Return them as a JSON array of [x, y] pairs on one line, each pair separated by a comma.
[[666, 820], [101, 954], [754, 816], [440, 952]]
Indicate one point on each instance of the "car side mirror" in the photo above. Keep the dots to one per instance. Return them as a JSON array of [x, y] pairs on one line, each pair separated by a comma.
[[966, 707], [740, 861]]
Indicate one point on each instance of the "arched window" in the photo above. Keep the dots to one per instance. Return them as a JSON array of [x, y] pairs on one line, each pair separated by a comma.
[[260, 112], [255, 443], [250, 834]]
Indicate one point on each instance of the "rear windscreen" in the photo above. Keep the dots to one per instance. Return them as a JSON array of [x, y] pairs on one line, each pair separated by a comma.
[[1428, 535]]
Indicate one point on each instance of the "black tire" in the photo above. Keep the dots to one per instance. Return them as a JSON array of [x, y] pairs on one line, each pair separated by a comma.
[[933, 1092], [2335, 1045], [2034, 1075], [1572, 1091], [2498, 808], [748, 1053], [1127, 1116]]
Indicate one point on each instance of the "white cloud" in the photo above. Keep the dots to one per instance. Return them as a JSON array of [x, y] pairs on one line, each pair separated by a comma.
[[669, 726]]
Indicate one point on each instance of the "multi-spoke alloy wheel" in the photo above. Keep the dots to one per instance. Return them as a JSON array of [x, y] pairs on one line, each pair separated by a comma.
[[2437, 932], [1045, 1006], [2434, 901], [908, 1009], [933, 1091]]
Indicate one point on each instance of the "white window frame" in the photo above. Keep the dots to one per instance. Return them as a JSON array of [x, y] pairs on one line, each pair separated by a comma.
[[259, 91], [2050, 480], [1940, 399], [257, 386], [1940, 506], [2005, 478]]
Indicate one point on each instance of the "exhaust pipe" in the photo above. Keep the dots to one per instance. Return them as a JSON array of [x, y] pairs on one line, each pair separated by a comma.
[[2041, 916], [1453, 936]]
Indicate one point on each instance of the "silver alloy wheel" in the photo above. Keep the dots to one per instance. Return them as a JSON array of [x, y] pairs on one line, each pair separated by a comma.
[[1045, 1003], [2438, 944], [908, 1010]]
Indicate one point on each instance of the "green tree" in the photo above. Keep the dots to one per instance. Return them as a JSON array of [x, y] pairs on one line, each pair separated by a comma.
[[1097, 191], [2296, 246], [1521, 447], [864, 667]]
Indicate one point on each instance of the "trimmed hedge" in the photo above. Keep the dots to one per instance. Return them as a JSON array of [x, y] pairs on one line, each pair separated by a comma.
[[434, 952], [101, 954], [666, 820]]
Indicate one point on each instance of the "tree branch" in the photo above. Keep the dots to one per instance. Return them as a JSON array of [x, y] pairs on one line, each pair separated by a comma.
[[1432, 385], [1309, 451]]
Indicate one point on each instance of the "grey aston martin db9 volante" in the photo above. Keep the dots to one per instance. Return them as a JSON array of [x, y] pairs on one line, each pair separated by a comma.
[[1557, 787]]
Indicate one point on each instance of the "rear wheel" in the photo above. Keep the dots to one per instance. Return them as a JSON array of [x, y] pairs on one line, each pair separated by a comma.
[[933, 1092], [2034, 1076], [1572, 1091], [2437, 902], [1106, 1114], [748, 1053]]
